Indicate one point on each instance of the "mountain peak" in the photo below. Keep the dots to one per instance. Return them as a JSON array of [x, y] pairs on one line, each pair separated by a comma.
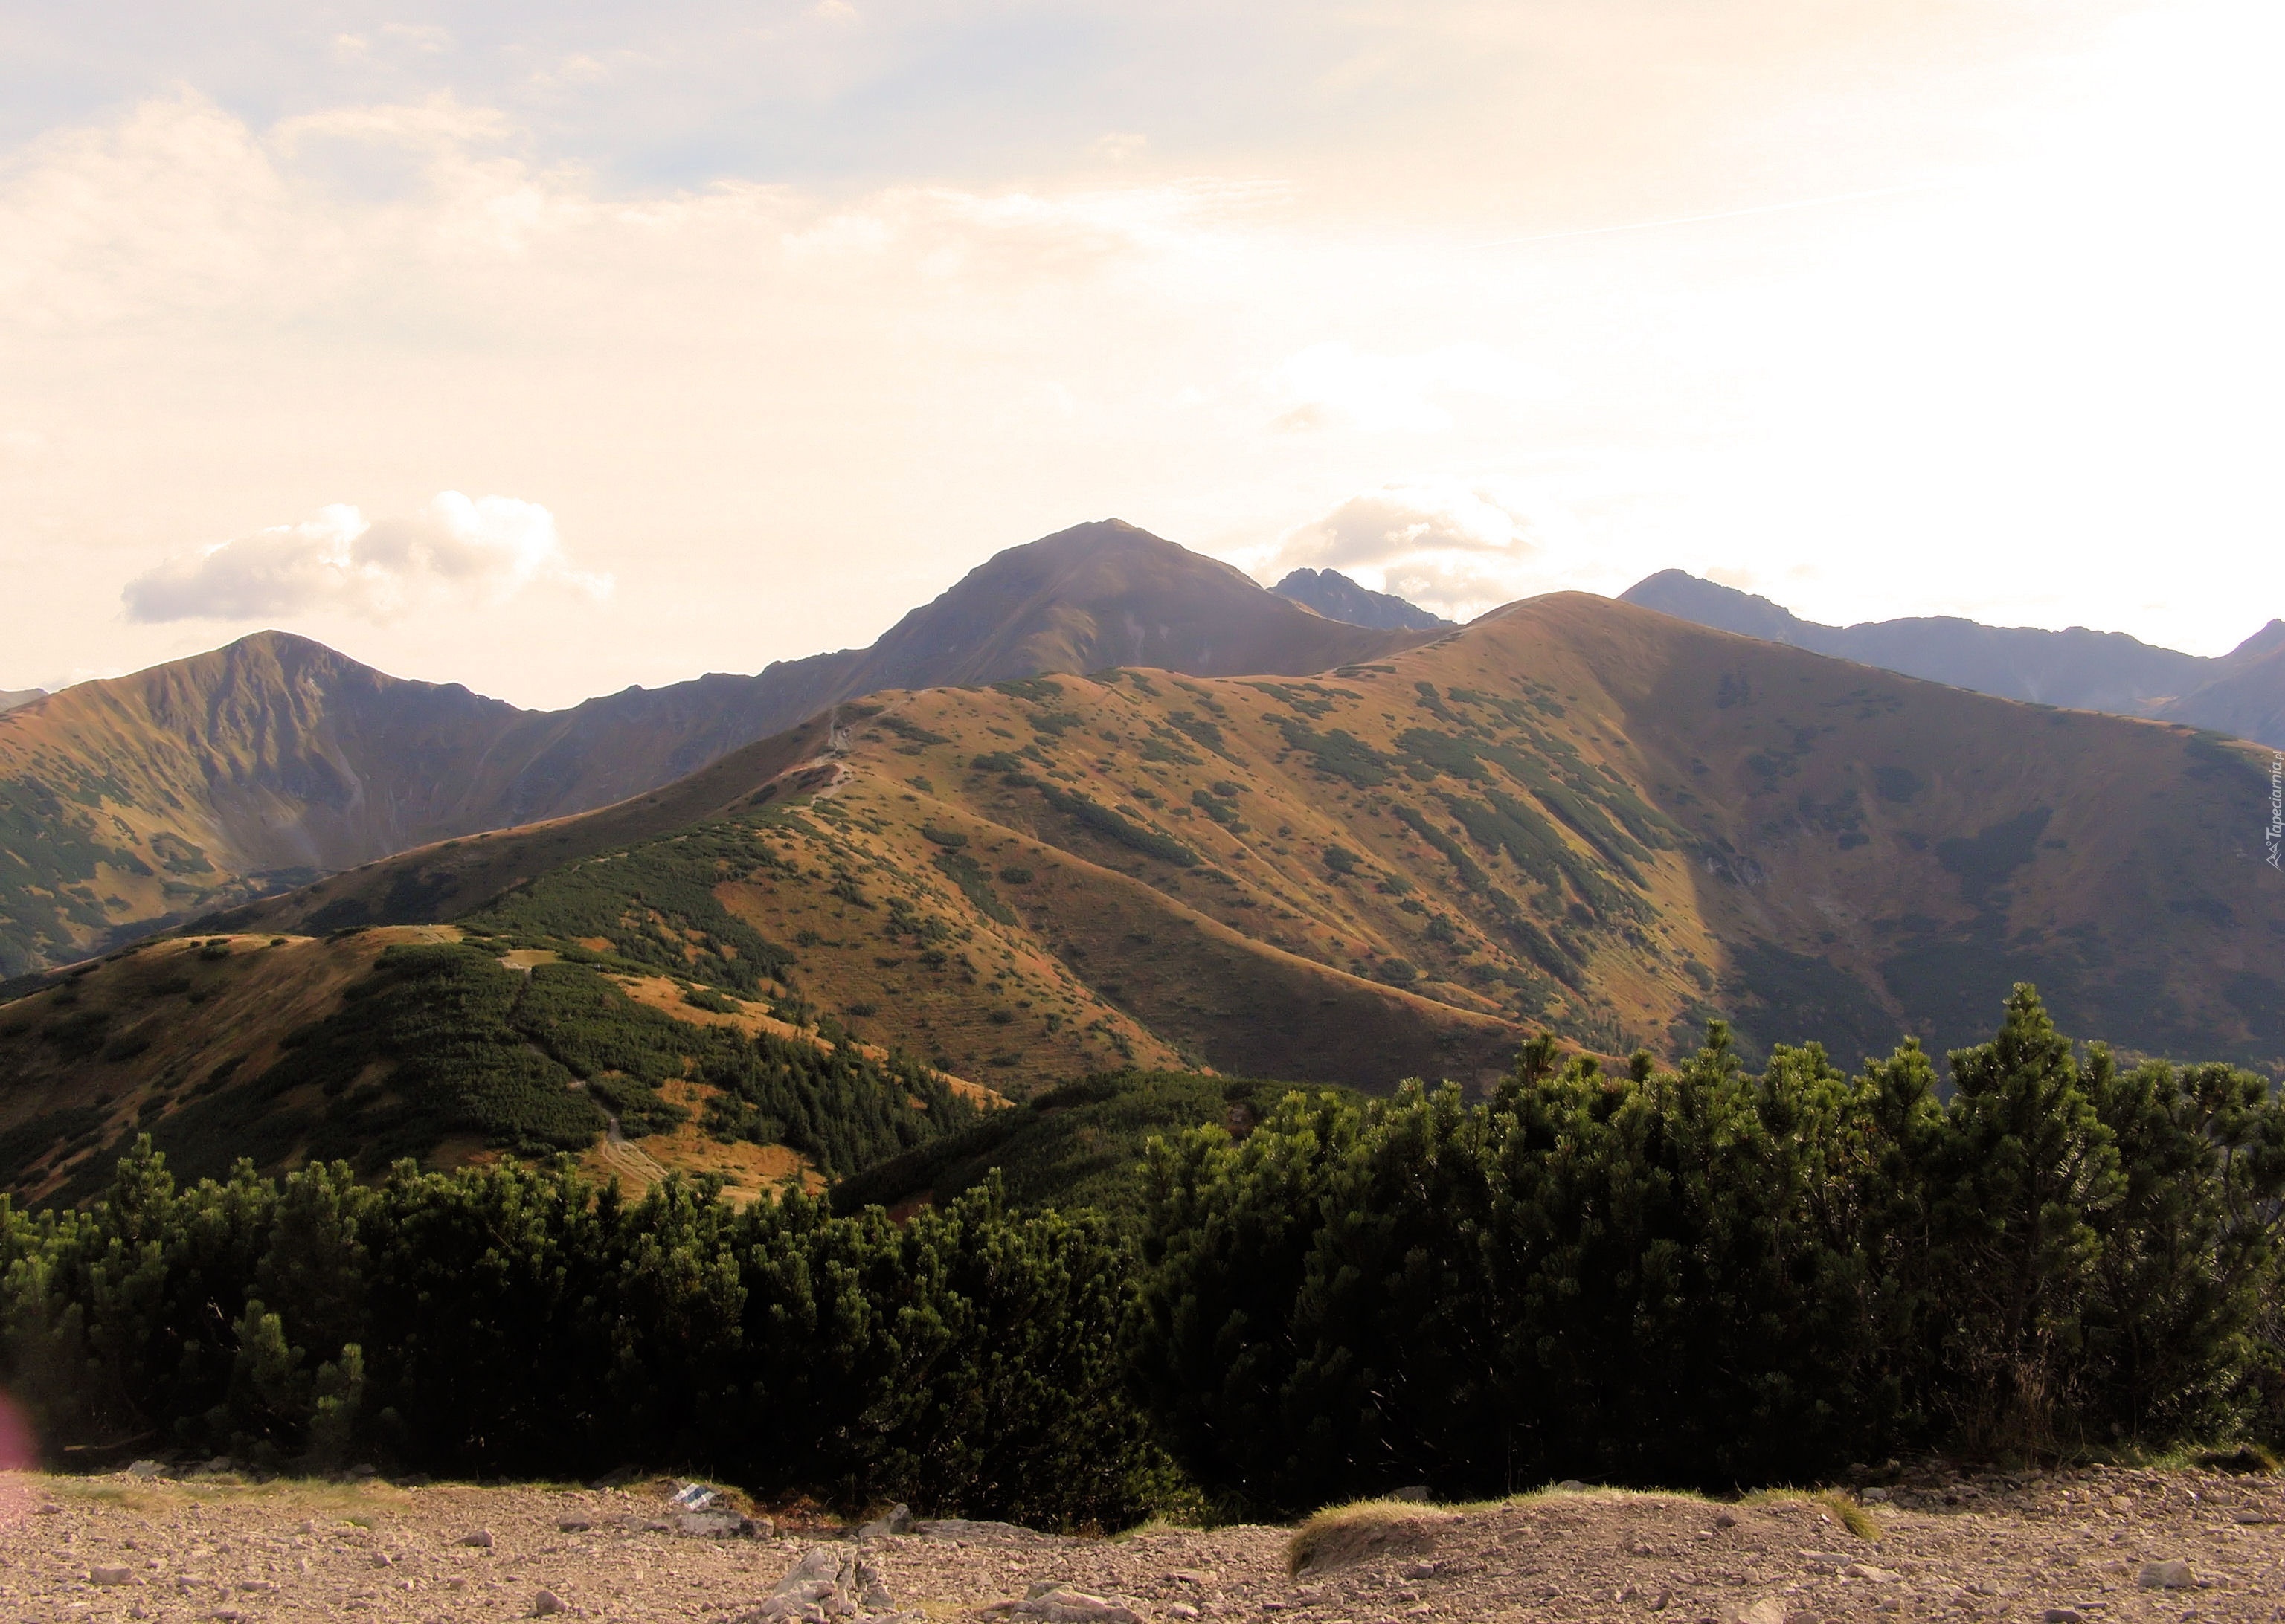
[[1710, 603], [1332, 594]]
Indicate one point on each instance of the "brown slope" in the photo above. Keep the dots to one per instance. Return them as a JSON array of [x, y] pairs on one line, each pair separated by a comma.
[[202, 781], [1573, 814], [127, 804]]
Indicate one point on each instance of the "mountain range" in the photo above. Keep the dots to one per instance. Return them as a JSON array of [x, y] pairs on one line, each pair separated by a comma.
[[139, 801], [2241, 693], [1575, 814]]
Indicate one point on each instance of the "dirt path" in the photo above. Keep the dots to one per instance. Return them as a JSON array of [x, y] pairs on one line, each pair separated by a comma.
[[1986, 1550]]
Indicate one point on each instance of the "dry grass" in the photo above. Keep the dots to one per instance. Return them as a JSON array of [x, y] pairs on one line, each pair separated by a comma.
[[1845, 1508], [1341, 1534]]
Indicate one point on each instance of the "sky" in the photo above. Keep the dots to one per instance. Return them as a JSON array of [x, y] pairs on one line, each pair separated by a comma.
[[554, 349]]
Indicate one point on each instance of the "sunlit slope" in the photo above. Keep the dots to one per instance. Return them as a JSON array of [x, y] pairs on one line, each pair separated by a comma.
[[1573, 814], [428, 1042], [131, 803]]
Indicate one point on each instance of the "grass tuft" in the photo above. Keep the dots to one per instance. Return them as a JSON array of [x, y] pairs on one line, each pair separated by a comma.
[[1845, 1509], [1343, 1534]]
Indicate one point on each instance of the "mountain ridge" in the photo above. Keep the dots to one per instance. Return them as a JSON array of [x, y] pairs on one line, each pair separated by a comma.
[[137, 801], [1573, 814], [2241, 693]]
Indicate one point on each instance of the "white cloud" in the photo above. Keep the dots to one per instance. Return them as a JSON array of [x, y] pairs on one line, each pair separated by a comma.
[[1456, 551], [484, 551]]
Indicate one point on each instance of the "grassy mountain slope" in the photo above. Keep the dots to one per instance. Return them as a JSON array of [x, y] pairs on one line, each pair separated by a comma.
[[258, 765], [2241, 693], [419, 1042], [127, 804], [1573, 812]]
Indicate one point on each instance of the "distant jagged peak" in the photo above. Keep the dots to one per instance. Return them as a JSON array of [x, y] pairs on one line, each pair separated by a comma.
[[1333, 595]]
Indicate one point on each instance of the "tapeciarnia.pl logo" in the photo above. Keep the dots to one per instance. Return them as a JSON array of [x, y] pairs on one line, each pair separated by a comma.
[[2275, 835]]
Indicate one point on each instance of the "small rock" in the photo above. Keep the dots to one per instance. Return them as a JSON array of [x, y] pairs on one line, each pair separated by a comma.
[[308, 1524], [1725, 1520], [719, 1525], [2170, 1575], [360, 1473], [1181, 1610], [1802, 1615], [829, 1582], [51, 1510], [481, 1539], [1421, 1570], [1874, 1496], [576, 1525], [1415, 1492], [1866, 1572], [110, 1575], [1769, 1610], [145, 1469], [547, 1602], [899, 1521], [1569, 1485], [381, 1559], [2062, 1615]]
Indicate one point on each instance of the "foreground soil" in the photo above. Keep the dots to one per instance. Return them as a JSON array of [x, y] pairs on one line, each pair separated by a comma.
[[1948, 1547]]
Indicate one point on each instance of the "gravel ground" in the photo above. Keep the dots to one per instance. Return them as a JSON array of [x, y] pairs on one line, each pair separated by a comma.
[[1949, 1547]]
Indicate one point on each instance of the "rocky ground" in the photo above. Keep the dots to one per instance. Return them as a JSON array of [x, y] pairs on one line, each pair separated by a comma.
[[2100, 1545]]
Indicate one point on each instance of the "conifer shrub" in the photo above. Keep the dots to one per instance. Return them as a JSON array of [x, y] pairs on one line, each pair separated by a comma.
[[1706, 1277], [518, 1321]]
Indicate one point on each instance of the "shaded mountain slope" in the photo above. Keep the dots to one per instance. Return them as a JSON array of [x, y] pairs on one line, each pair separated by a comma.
[[1332, 594], [9, 698], [2241, 693], [2245, 693], [127, 804], [1573, 813]]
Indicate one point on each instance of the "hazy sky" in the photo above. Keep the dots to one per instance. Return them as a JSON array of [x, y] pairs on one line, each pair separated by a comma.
[[550, 348]]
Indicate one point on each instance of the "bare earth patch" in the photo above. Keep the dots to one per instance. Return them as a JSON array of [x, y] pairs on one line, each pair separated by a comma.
[[2092, 1543]]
